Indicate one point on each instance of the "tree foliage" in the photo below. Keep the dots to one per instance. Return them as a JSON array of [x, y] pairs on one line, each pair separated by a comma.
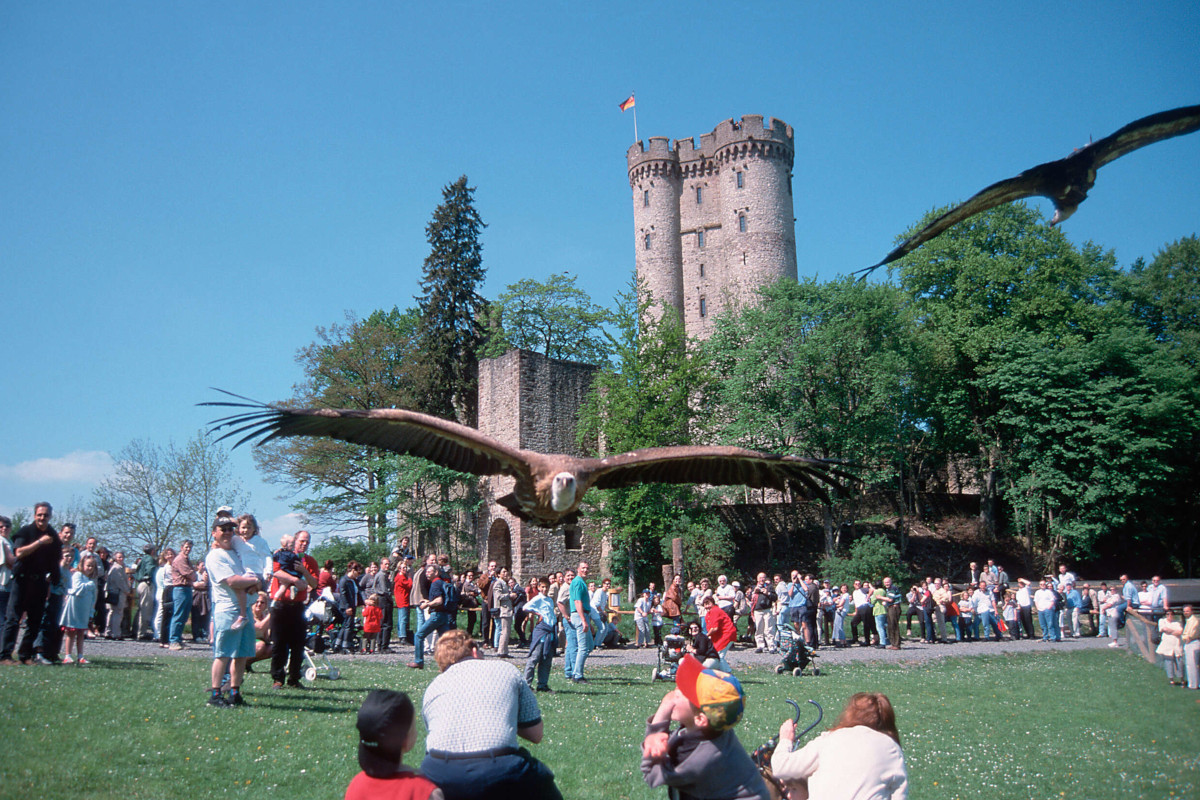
[[1002, 277], [553, 317], [160, 495], [433, 505], [371, 363], [872, 558], [821, 370], [648, 397], [450, 305]]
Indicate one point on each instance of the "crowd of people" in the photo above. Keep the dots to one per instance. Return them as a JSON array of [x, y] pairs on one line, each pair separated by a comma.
[[85, 592]]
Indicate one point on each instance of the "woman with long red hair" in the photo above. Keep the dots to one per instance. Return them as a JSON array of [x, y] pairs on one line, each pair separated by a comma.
[[859, 758]]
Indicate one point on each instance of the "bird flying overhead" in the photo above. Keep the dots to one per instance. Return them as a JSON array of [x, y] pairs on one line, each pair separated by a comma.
[[1065, 181], [549, 487]]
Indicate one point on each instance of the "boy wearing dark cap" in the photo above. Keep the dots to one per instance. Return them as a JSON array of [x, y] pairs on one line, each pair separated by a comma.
[[702, 758], [386, 732]]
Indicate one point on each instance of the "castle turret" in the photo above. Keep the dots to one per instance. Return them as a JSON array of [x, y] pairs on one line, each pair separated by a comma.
[[733, 216], [655, 179]]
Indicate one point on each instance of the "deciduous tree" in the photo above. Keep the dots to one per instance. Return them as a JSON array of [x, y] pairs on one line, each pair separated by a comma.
[[159, 495], [553, 317], [372, 363], [648, 397]]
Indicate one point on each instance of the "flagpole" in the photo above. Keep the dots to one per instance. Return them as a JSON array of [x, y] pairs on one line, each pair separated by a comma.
[[635, 136]]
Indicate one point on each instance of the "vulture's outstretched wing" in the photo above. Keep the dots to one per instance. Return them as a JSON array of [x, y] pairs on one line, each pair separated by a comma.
[[1147, 130], [1065, 181], [719, 466], [406, 432]]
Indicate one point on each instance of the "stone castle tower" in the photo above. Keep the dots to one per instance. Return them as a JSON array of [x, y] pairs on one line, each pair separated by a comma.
[[714, 223]]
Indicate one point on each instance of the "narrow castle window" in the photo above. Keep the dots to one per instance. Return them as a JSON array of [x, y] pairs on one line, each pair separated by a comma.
[[701, 270], [742, 223], [741, 179], [703, 307], [645, 198], [700, 238], [699, 195], [743, 258], [647, 241]]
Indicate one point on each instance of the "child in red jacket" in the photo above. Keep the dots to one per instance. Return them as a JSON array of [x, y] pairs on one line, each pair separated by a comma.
[[372, 624]]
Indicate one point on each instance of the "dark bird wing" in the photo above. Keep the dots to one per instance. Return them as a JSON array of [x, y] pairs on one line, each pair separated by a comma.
[[1147, 130], [1065, 181], [406, 432], [1029, 183], [719, 466]]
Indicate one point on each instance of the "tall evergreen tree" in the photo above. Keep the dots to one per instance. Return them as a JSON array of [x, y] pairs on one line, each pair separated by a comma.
[[451, 305]]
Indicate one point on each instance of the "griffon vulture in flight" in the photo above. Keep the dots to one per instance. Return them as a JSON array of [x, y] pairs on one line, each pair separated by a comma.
[[549, 487], [1065, 181]]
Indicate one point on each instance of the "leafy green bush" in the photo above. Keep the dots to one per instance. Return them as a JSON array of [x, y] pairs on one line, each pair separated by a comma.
[[870, 558]]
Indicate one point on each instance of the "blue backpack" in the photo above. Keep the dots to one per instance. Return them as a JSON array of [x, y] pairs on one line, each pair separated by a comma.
[[451, 594]]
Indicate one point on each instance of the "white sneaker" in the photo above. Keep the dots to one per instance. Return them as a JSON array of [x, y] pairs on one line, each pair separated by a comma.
[[68, 660], [1114, 644]]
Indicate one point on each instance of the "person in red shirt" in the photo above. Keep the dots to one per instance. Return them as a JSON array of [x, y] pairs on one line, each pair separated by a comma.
[[402, 591], [385, 733], [288, 628], [720, 630], [373, 624]]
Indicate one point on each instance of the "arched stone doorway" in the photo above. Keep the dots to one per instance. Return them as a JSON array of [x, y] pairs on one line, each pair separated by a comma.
[[499, 548]]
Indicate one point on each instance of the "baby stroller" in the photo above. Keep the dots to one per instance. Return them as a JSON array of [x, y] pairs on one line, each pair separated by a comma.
[[319, 614], [670, 653], [797, 655]]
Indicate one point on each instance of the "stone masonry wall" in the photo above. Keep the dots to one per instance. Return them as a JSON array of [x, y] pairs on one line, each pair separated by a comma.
[[530, 401]]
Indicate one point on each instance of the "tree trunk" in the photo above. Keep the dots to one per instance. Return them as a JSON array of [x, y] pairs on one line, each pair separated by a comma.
[[988, 494], [831, 530]]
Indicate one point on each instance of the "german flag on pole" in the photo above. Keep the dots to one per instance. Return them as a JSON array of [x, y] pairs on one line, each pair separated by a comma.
[[628, 104]]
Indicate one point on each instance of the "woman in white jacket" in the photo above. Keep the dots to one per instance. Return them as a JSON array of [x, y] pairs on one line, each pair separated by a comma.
[[859, 758]]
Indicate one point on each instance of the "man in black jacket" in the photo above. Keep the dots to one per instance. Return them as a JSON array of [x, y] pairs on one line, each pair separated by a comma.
[[38, 551]]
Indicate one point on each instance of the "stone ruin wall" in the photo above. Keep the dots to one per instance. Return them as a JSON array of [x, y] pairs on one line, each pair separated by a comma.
[[530, 401]]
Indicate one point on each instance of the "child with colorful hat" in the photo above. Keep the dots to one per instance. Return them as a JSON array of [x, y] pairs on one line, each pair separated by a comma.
[[702, 758]]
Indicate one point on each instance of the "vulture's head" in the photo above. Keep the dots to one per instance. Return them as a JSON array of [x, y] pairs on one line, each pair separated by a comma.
[[562, 492]]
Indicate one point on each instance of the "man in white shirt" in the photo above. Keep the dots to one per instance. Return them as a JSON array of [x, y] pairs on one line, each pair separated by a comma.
[[231, 648], [725, 595], [1065, 576], [1024, 609], [1043, 601], [1159, 602]]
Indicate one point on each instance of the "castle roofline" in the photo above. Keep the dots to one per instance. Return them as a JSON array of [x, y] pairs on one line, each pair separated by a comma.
[[752, 127]]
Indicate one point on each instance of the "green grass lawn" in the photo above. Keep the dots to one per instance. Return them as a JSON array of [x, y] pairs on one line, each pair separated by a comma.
[[1090, 724]]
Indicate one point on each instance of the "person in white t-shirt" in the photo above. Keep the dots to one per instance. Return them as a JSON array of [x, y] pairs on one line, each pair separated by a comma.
[[230, 583]]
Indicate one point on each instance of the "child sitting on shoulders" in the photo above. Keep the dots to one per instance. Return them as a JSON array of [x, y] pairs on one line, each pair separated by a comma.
[[291, 562], [702, 757], [386, 731], [372, 624]]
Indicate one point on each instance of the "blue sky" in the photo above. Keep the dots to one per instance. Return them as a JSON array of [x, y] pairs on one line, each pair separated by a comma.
[[188, 190]]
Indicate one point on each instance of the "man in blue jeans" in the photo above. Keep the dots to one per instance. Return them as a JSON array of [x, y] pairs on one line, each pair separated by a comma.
[[579, 627], [183, 576], [438, 610]]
